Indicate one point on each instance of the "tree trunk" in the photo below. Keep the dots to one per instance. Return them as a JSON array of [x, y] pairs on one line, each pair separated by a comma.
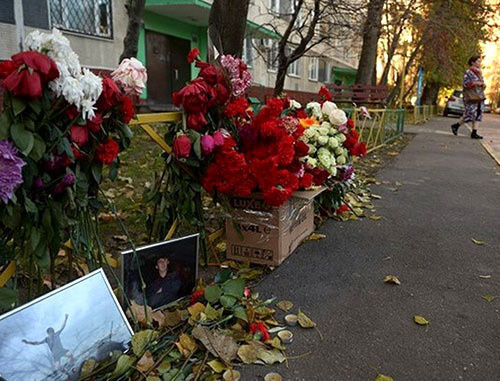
[[227, 24], [371, 34], [279, 85], [430, 93], [135, 11]]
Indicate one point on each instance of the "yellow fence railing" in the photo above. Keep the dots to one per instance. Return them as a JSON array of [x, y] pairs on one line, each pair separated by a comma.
[[422, 114]]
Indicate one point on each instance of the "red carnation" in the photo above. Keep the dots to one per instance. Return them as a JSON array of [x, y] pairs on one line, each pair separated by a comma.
[[79, 135], [344, 208], [197, 295], [325, 94], [111, 95], [350, 123], [359, 149], [236, 108], [306, 181], [7, 67], [193, 55], [301, 149], [196, 121], [182, 146], [95, 123], [260, 331], [127, 109], [319, 175], [107, 152]]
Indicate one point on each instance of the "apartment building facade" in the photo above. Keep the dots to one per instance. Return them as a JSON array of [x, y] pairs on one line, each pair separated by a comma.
[[171, 28]]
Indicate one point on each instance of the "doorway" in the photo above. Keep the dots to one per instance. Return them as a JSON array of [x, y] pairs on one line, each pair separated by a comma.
[[168, 69]]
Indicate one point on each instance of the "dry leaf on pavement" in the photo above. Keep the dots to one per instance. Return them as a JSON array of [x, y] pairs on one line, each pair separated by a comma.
[[285, 305], [420, 320], [218, 344], [305, 321], [478, 242], [392, 279], [382, 377], [146, 362], [489, 298]]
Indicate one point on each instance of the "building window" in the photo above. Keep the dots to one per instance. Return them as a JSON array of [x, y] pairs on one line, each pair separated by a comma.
[[90, 17], [313, 68], [323, 71], [294, 68], [247, 55], [272, 55]]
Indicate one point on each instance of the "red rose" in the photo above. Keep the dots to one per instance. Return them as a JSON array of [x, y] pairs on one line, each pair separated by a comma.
[[107, 152], [196, 121], [95, 123], [72, 112], [211, 75], [79, 135], [222, 93], [127, 109], [111, 95], [301, 149], [182, 146], [7, 67], [193, 97], [23, 84], [42, 64], [193, 55]]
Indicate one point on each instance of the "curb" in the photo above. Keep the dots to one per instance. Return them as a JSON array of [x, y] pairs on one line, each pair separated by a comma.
[[491, 152]]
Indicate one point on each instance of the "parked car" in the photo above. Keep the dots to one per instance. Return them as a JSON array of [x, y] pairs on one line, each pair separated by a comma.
[[487, 106], [455, 104]]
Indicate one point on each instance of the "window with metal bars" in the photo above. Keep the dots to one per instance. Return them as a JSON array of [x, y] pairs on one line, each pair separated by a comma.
[[90, 17]]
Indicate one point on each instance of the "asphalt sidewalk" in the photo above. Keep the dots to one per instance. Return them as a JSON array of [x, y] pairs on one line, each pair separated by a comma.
[[450, 193]]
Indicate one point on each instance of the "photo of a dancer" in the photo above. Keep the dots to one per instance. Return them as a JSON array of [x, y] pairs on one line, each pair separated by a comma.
[[169, 270]]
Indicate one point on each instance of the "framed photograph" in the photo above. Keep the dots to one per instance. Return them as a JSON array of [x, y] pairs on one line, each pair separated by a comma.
[[169, 269], [51, 337]]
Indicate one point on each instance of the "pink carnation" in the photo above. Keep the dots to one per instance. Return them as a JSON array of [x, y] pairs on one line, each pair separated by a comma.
[[240, 77]]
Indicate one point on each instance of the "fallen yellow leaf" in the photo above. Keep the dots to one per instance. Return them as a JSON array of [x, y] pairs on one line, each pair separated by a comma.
[[392, 279], [305, 321], [315, 237], [477, 242], [485, 276], [382, 377], [393, 153], [375, 218], [285, 305], [420, 320], [489, 298]]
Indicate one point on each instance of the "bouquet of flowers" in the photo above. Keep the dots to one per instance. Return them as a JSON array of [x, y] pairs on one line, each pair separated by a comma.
[[61, 126]]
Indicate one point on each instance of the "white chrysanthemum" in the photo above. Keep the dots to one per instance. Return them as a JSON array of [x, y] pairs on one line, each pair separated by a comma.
[[322, 140], [91, 84], [341, 138], [310, 132], [72, 91], [34, 41], [88, 109], [73, 63], [328, 107], [294, 105], [333, 142], [315, 108], [338, 117], [339, 151], [333, 131], [312, 149], [326, 159], [323, 131], [311, 161], [341, 160]]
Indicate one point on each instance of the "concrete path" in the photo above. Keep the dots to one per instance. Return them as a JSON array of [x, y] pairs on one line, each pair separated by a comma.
[[450, 194]]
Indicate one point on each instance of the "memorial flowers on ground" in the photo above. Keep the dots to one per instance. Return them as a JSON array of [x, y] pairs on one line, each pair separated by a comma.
[[61, 130]]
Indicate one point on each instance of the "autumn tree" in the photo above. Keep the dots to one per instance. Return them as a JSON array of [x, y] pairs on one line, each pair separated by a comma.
[[135, 12], [227, 25]]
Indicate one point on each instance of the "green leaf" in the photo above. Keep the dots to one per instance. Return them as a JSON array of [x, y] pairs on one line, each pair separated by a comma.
[[18, 106], [4, 126], [141, 340], [197, 147], [30, 206], [34, 238], [35, 105], [113, 170], [123, 364], [8, 298], [234, 287], [212, 293], [97, 172], [227, 301], [489, 298], [241, 313], [23, 138], [174, 374], [39, 148], [223, 275]]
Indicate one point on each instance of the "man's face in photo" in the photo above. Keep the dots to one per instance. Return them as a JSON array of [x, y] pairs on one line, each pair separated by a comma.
[[162, 264]]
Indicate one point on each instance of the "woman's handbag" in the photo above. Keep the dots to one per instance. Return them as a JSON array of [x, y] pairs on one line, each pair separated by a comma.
[[472, 95]]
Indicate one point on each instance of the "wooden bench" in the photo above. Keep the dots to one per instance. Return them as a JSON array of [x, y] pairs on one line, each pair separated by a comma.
[[361, 95]]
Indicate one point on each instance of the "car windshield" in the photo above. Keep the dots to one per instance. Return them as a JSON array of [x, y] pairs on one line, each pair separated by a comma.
[[457, 94]]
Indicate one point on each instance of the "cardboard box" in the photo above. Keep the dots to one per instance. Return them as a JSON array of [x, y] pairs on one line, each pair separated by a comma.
[[258, 233]]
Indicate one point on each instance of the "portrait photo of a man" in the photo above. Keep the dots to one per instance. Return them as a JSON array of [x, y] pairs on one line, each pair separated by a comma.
[[169, 270]]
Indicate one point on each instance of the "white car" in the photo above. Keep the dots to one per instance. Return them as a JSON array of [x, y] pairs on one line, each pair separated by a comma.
[[455, 104]]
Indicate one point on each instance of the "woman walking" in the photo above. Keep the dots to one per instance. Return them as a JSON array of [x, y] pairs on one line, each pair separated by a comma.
[[473, 97]]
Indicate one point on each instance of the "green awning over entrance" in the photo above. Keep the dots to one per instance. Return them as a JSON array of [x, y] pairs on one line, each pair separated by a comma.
[[343, 75], [196, 12]]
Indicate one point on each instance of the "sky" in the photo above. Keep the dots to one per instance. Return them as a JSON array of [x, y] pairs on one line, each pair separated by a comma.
[[92, 312]]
